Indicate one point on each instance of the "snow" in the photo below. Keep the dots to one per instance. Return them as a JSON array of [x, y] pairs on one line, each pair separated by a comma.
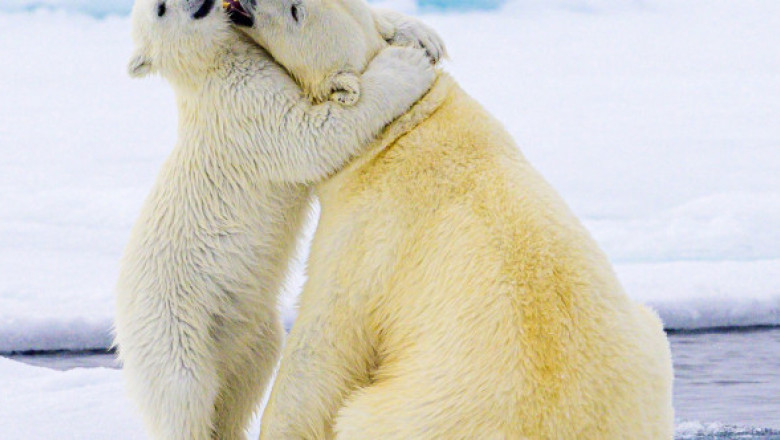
[[82, 403], [656, 120], [691, 295], [38, 403]]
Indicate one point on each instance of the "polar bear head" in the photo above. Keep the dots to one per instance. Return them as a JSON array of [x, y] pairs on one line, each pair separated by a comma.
[[177, 38], [324, 44]]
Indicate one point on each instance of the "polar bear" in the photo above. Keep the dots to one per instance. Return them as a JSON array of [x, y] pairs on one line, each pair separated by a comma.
[[452, 294], [197, 325]]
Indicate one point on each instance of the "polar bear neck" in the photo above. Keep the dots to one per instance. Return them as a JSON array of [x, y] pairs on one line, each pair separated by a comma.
[[190, 74], [213, 118], [442, 89]]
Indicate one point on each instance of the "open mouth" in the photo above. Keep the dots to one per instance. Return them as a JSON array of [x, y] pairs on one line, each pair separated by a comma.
[[237, 13]]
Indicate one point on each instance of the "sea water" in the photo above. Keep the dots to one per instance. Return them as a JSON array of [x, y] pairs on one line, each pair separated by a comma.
[[728, 377]]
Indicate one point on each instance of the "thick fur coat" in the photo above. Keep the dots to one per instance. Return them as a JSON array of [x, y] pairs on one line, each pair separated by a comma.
[[453, 295], [197, 325]]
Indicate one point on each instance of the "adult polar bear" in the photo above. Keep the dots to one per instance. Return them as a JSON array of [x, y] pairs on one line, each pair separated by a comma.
[[451, 292], [197, 323]]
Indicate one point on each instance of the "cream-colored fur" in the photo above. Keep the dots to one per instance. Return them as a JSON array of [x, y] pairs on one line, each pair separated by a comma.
[[453, 295], [197, 324]]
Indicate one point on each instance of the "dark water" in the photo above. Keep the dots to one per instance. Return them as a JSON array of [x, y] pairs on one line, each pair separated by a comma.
[[731, 378], [727, 384], [67, 360]]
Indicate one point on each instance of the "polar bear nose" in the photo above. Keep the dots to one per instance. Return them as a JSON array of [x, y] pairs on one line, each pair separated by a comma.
[[202, 8]]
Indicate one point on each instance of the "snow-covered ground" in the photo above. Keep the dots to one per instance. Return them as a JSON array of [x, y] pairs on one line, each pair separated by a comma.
[[38, 403], [656, 120]]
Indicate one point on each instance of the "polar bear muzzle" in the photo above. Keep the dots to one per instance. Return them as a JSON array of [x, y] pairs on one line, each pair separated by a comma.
[[238, 15]]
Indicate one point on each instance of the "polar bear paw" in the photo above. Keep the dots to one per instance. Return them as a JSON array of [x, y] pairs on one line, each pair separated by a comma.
[[345, 88], [402, 30]]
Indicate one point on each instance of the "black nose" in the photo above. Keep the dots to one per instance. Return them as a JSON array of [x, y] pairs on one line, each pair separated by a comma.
[[203, 10]]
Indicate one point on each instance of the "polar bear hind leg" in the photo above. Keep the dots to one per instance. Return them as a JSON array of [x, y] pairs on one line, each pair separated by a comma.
[[391, 411], [249, 356]]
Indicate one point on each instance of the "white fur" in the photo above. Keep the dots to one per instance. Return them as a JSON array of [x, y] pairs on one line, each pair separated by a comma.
[[197, 324]]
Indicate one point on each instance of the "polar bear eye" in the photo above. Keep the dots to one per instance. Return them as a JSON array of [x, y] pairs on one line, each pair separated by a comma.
[[161, 9], [294, 12]]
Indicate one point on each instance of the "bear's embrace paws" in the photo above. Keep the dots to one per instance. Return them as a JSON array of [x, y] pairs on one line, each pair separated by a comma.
[[411, 32], [345, 88]]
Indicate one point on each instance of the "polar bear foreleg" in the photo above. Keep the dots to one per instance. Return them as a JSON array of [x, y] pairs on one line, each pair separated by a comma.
[[247, 362], [198, 372], [248, 333], [199, 332], [327, 355], [170, 368]]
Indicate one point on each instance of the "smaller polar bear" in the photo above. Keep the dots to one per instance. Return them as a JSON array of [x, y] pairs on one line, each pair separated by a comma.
[[197, 325], [451, 292]]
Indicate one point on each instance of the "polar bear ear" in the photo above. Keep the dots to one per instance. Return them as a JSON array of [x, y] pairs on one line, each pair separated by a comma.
[[140, 65]]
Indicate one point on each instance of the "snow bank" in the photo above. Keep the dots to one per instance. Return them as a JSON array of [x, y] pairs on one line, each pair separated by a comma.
[[693, 295], [657, 125]]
